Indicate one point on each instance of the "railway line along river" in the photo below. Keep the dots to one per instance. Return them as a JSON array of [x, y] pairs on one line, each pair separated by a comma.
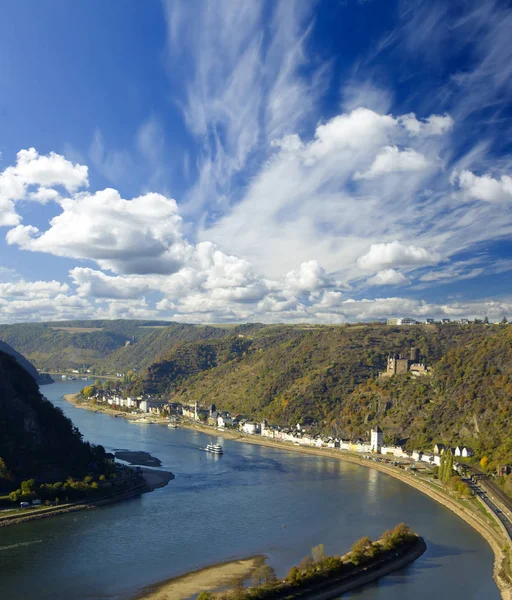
[[252, 500]]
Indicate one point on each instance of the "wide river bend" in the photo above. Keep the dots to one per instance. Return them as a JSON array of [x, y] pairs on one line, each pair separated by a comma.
[[253, 500]]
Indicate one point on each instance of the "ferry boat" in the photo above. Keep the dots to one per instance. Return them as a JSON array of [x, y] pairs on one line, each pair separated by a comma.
[[214, 449]]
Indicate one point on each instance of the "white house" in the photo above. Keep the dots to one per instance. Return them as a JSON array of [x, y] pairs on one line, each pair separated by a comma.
[[222, 421], [467, 452], [251, 427], [416, 455]]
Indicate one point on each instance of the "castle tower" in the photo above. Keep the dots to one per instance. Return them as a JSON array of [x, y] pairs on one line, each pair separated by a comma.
[[196, 411], [376, 439], [415, 355]]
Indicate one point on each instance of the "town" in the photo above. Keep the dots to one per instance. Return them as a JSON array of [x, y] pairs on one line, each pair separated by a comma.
[[174, 413]]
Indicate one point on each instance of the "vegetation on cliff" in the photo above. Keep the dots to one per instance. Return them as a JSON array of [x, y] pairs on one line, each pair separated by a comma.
[[36, 440]]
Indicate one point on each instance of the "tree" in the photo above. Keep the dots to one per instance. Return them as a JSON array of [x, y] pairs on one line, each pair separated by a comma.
[[306, 564], [204, 596], [89, 391], [293, 575], [504, 321], [446, 469], [318, 554], [484, 461], [486, 320], [264, 575]]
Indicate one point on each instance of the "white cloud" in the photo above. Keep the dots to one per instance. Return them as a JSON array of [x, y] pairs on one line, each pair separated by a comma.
[[44, 172], [388, 277], [309, 277], [396, 254], [32, 289], [259, 90], [305, 203], [433, 125], [142, 235], [390, 160], [484, 187]]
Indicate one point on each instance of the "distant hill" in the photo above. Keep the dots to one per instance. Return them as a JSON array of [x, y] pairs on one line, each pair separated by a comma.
[[36, 439], [58, 346]]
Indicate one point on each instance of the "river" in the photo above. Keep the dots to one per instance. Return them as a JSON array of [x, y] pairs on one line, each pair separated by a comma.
[[252, 500]]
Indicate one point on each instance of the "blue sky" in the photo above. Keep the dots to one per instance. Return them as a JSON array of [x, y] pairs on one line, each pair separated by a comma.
[[320, 161]]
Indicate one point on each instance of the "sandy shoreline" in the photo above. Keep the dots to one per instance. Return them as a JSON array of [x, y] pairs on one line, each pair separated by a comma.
[[208, 579], [496, 541]]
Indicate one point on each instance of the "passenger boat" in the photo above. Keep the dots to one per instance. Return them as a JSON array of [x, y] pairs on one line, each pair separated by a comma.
[[214, 449]]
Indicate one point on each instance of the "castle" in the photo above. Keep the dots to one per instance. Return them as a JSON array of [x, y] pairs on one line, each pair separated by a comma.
[[400, 365]]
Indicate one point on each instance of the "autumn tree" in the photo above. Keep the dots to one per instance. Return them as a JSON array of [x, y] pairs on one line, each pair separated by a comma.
[[318, 554], [264, 575], [306, 564]]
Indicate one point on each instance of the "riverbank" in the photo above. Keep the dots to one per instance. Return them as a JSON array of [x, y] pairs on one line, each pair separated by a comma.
[[210, 578], [496, 538]]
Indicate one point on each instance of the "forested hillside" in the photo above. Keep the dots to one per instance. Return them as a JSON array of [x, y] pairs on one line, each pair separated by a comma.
[[143, 353], [468, 400], [290, 374], [36, 439]]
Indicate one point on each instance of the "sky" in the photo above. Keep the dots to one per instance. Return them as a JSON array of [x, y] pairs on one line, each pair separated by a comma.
[[248, 160]]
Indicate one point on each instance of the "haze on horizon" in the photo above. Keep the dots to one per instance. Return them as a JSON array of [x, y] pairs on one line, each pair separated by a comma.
[[262, 161]]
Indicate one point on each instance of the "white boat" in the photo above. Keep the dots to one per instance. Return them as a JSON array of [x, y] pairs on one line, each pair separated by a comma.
[[214, 449], [172, 426]]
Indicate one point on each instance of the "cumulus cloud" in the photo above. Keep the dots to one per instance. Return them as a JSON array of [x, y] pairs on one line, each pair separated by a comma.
[[390, 159], [44, 172], [388, 277], [396, 254], [309, 277], [141, 235], [484, 187]]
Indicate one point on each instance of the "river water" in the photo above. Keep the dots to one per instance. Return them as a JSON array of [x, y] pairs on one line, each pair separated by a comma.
[[252, 500]]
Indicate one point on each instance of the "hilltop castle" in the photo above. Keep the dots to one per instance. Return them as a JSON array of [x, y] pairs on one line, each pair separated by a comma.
[[400, 365]]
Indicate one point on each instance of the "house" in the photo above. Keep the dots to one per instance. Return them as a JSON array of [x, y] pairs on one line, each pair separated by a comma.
[[467, 452], [503, 470], [439, 449], [416, 455], [401, 321], [224, 420], [251, 427], [458, 451]]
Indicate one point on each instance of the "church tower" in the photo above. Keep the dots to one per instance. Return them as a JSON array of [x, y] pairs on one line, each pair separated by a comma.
[[376, 439]]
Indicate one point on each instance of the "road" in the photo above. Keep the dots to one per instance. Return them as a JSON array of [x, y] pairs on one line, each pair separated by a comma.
[[489, 502]]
